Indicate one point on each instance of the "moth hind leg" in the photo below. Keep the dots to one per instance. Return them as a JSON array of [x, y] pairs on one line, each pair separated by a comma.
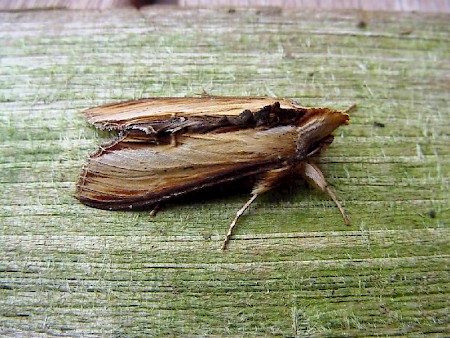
[[314, 176]]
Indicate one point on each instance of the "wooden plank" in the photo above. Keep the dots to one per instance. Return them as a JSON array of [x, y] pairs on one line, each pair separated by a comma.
[[293, 268], [431, 6]]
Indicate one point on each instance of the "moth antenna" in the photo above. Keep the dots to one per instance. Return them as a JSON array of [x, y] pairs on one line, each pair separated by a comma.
[[312, 174], [233, 224], [350, 108]]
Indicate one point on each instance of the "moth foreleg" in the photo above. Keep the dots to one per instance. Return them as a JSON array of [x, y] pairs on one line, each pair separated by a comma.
[[312, 174]]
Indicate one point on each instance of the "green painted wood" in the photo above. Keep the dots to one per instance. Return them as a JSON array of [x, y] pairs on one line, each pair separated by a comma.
[[293, 269]]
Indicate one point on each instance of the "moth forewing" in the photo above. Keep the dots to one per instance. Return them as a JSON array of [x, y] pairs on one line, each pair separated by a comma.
[[135, 174], [129, 114], [173, 146]]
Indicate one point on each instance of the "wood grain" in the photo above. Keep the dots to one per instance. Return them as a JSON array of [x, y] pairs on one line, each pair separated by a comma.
[[293, 269], [425, 6]]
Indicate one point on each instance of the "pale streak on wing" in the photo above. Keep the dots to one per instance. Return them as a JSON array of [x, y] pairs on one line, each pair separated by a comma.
[[123, 114], [145, 172]]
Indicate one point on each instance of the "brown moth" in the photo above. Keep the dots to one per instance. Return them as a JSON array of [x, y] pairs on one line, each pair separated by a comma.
[[172, 146]]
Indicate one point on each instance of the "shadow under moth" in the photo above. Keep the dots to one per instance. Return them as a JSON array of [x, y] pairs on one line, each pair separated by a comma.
[[168, 147]]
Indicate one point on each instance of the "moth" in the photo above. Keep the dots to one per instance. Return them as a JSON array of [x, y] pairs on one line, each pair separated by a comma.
[[167, 147]]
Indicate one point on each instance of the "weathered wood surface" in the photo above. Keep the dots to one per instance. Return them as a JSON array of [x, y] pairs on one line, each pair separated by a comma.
[[293, 268], [427, 6]]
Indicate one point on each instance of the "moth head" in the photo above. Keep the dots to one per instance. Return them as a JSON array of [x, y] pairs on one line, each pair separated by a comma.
[[320, 122], [331, 119], [315, 128]]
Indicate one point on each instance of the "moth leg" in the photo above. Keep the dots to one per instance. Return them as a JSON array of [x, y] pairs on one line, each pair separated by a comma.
[[233, 224], [312, 174], [155, 209], [173, 140], [269, 181], [204, 93]]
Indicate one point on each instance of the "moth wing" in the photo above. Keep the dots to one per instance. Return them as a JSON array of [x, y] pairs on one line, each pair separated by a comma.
[[131, 174], [126, 114]]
